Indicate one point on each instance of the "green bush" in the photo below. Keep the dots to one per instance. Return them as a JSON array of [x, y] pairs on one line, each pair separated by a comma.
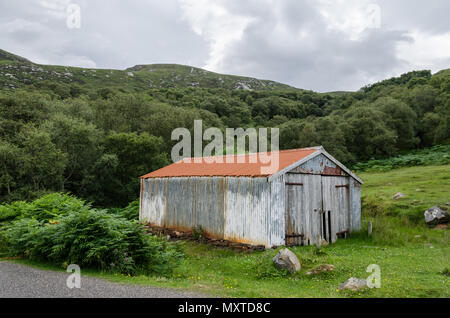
[[130, 212], [198, 233], [264, 268], [94, 239], [9, 212], [45, 208]]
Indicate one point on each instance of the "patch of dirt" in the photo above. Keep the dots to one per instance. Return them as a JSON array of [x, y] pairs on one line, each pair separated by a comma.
[[175, 235]]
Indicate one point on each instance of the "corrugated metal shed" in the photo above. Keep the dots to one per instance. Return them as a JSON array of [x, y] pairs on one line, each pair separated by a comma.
[[310, 197]]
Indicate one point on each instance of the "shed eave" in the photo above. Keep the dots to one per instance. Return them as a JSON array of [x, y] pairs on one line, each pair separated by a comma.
[[209, 176], [294, 165]]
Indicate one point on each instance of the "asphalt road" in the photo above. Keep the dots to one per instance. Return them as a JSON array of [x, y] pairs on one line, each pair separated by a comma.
[[20, 281]]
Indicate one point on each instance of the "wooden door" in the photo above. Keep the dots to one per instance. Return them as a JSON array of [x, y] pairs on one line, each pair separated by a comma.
[[303, 204], [336, 208]]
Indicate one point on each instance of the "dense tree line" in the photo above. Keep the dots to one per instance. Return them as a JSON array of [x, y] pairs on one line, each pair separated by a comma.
[[95, 142]]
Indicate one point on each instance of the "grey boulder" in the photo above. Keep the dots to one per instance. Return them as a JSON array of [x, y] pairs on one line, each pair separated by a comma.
[[436, 215], [398, 195], [286, 260], [353, 284], [321, 269]]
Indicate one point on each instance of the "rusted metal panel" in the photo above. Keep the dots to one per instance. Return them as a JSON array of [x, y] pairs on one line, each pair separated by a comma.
[[234, 209], [355, 205], [336, 200], [245, 165], [247, 210], [302, 205], [141, 181], [154, 201], [320, 165], [185, 203], [276, 224]]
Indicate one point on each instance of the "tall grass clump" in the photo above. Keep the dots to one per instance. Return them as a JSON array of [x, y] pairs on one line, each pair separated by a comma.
[[437, 155], [91, 238], [398, 231]]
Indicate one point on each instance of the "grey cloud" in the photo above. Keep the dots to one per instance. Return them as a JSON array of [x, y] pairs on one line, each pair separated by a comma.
[[113, 34], [428, 16], [287, 40], [325, 60]]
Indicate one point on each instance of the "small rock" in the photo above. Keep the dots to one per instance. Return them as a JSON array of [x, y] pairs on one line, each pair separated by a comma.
[[398, 195], [287, 260], [259, 248], [418, 236], [320, 241], [168, 237], [353, 284], [320, 269], [178, 234], [436, 215]]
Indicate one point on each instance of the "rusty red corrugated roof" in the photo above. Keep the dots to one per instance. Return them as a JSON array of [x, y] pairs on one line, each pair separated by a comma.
[[249, 168]]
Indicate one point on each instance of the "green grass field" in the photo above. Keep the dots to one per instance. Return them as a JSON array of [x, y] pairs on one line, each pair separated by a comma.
[[412, 257]]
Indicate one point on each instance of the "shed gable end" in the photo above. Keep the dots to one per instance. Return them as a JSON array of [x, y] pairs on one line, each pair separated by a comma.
[[320, 165]]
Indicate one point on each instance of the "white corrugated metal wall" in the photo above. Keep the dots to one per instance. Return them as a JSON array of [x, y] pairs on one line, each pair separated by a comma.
[[235, 209]]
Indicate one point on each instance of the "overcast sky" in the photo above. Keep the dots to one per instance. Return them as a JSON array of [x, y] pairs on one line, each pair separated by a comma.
[[323, 45]]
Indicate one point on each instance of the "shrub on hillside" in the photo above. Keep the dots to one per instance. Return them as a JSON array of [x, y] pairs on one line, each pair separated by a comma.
[[92, 238], [45, 208], [437, 155], [130, 212], [11, 211]]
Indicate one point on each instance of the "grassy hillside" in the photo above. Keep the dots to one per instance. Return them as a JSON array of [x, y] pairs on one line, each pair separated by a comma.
[[413, 258], [92, 122], [437, 155], [17, 72], [6, 56], [424, 187]]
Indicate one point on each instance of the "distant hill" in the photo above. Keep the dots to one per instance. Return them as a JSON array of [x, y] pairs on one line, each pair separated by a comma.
[[16, 71], [6, 56]]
